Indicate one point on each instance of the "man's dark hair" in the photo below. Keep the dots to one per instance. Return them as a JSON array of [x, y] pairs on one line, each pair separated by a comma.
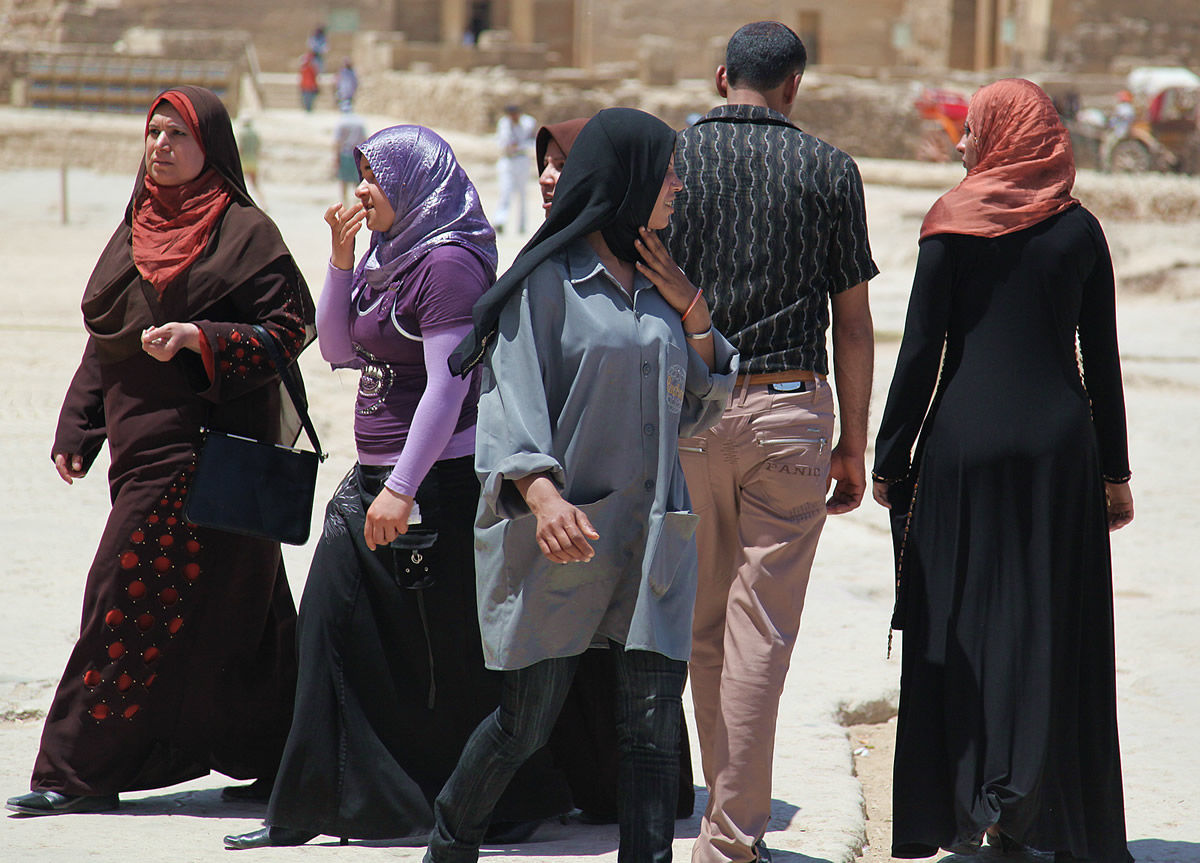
[[762, 55]]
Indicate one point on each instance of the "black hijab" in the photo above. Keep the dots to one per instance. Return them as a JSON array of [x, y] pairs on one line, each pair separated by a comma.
[[610, 184]]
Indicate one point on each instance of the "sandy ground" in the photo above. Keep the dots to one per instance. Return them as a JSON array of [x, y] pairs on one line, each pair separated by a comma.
[[832, 762]]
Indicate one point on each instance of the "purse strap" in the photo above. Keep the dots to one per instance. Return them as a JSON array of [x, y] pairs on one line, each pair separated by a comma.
[[293, 391]]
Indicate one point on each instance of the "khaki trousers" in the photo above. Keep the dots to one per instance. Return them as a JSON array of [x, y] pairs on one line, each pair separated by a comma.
[[757, 481]]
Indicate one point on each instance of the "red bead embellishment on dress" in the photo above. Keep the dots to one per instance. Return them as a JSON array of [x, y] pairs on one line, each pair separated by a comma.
[[137, 536], [137, 589], [163, 502], [116, 650], [145, 621], [235, 336], [151, 654], [172, 521], [192, 547], [162, 564], [92, 678], [115, 617], [178, 505], [255, 360], [124, 682], [130, 710], [175, 625], [129, 560], [242, 370], [166, 540], [150, 680], [169, 596], [100, 711], [239, 353], [191, 571], [153, 519]]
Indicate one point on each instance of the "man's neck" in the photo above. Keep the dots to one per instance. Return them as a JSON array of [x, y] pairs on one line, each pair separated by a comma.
[[746, 96]]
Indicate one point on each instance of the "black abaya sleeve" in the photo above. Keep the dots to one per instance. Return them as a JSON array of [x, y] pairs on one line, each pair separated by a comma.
[[81, 426], [917, 365], [1102, 362]]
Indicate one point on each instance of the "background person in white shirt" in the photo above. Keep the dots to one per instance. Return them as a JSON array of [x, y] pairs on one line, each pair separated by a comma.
[[514, 135]]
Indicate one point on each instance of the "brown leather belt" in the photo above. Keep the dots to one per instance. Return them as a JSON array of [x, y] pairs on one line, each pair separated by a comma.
[[788, 377]]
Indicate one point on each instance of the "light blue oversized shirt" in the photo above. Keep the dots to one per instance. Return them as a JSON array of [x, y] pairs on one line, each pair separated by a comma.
[[594, 390]]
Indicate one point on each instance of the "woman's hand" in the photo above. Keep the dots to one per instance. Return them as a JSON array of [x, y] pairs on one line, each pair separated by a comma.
[[1120, 504], [343, 225], [561, 527], [69, 466], [164, 342], [387, 517], [677, 289], [879, 491]]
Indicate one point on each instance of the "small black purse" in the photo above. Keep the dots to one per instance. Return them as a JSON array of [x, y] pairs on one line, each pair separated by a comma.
[[246, 486], [412, 565]]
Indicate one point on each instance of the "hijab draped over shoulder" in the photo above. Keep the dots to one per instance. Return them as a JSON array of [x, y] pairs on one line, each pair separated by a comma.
[[435, 202], [1026, 167], [204, 238], [564, 133], [610, 184]]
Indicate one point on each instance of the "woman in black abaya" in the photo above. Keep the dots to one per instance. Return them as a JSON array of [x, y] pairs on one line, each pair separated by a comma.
[[1007, 719]]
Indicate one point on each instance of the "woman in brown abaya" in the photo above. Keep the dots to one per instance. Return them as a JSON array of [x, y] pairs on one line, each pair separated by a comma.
[[186, 655]]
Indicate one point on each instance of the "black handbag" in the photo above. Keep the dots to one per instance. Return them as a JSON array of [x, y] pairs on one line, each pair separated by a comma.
[[246, 486]]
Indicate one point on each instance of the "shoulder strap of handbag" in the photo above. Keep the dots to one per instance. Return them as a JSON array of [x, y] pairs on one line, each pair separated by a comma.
[[285, 372]]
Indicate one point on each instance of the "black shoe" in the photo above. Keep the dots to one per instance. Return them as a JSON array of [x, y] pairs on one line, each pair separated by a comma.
[[587, 816], [258, 791], [762, 851], [1008, 845], [967, 847], [53, 803], [510, 832], [269, 837]]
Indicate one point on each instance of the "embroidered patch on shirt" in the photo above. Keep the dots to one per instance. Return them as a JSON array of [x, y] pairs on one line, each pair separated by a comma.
[[676, 377]]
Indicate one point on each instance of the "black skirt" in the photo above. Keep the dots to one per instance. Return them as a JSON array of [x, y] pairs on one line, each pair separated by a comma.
[[392, 680]]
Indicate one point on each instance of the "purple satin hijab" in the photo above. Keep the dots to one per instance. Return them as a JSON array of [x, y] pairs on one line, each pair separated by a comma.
[[435, 202]]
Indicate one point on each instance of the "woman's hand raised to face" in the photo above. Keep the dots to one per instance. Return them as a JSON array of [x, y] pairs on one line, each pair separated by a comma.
[[660, 268], [344, 224]]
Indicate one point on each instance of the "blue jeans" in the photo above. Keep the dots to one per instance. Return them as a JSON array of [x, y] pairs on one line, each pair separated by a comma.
[[649, 702]]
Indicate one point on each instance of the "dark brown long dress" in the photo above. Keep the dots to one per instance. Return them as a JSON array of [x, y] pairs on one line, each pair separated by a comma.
[[186, 659]]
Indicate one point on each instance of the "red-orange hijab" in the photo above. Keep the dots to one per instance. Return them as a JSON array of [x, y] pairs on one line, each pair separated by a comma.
[[1026, 167], [172, 224]]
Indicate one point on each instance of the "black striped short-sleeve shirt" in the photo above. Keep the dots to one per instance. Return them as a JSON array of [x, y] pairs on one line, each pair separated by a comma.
[[771, 222]]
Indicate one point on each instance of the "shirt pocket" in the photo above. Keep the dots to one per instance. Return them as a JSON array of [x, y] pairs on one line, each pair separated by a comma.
[[676, 550]]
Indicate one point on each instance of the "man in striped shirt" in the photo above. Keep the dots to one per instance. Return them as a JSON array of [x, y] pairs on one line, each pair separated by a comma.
[[771, 225]]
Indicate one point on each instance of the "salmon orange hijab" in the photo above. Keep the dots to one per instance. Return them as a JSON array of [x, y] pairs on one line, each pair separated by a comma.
[[172, 224], [1026, 167]]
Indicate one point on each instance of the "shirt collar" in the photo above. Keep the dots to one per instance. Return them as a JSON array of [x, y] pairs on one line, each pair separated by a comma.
[[583, 264], [746, 112]]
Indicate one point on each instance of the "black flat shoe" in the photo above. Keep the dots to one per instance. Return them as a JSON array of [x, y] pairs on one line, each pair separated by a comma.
[[53, 803], [510, 832], [269, 837], [258, 791]]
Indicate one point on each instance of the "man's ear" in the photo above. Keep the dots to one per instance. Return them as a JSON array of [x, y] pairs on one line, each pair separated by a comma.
[[722, 82], [791, 87]]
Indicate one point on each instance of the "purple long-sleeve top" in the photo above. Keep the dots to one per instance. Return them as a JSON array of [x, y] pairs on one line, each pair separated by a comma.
[[410, 411]]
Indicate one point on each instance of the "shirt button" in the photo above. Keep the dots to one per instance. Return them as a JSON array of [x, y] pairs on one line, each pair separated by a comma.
[[645, 370], [648, 429], [649, 485]]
